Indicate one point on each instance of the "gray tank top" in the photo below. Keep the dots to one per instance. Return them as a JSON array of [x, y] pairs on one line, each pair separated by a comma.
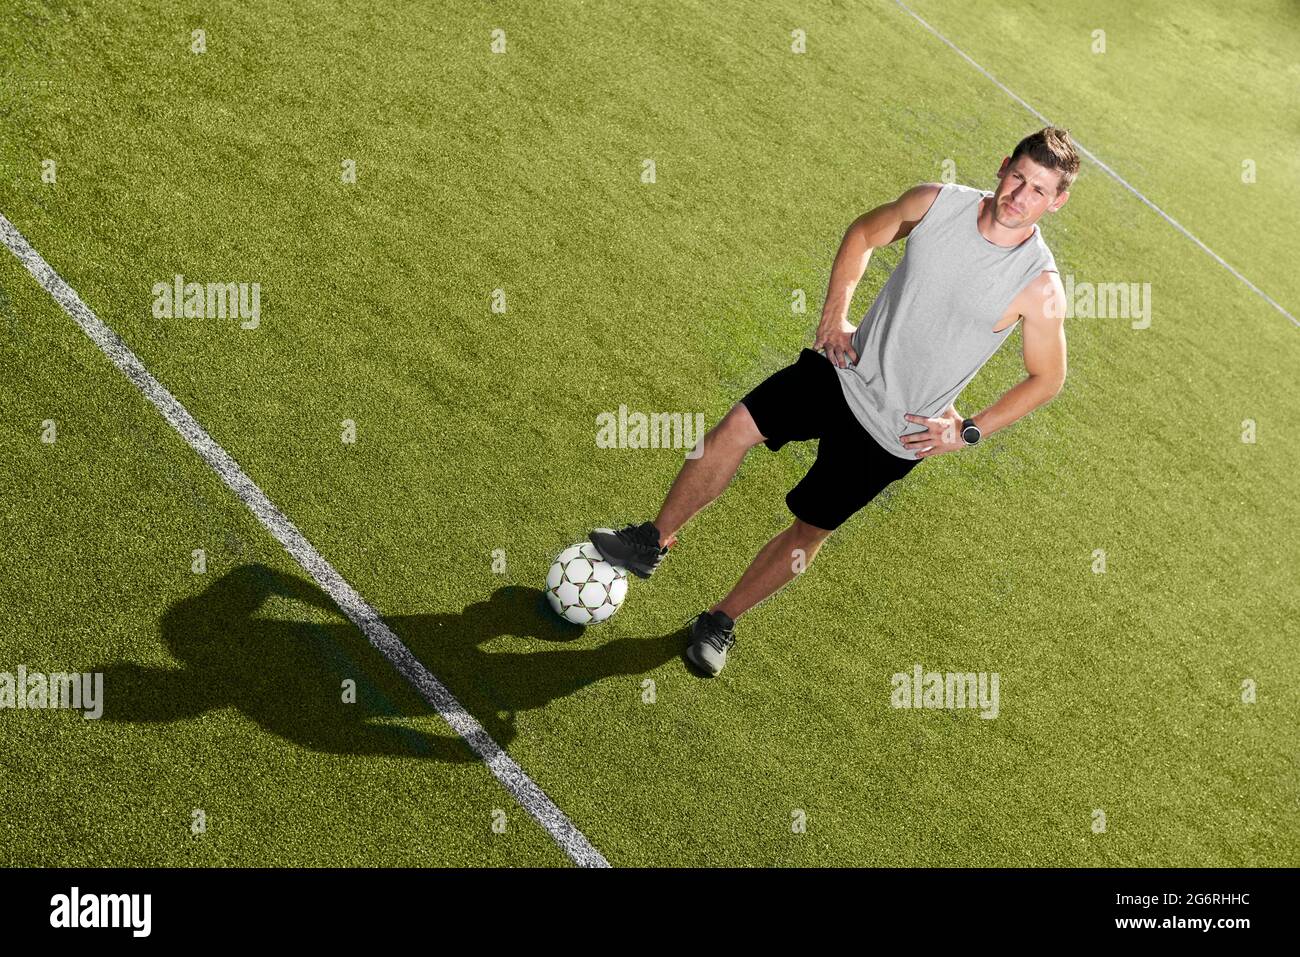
[[931, 327]]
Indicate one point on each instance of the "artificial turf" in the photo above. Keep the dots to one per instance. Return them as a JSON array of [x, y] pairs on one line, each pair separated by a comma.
[[522, 172]]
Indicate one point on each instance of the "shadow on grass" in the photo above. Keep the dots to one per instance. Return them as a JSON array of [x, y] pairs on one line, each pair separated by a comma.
[[288, 676]]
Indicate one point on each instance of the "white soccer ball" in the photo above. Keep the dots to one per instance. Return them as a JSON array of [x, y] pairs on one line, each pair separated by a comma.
[[584, 588]]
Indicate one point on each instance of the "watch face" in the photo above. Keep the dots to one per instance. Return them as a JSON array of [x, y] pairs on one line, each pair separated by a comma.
[[971, 434]]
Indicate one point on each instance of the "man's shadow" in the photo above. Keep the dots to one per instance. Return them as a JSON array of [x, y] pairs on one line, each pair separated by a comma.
[[290, 677]]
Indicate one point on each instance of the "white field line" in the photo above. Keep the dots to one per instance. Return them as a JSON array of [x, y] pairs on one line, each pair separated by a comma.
[[1120, 179], [533, 799]]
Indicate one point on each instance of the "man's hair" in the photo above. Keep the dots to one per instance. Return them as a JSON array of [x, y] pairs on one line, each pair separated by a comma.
[[1051, 147]]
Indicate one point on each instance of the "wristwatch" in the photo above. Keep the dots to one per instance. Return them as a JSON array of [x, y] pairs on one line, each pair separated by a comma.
[[970, 431]]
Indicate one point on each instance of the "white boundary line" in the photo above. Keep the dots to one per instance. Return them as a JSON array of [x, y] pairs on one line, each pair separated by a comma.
[[520, 785], [1092, 156]]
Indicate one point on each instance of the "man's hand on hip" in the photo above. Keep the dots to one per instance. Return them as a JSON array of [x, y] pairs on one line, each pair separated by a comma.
[[942, 434], [837, 341]]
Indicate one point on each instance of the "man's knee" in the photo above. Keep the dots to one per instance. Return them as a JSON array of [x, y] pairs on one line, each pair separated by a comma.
[[738, 428], [808, 535]]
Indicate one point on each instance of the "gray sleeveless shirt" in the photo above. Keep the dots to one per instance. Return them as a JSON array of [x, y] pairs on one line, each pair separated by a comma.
[[931, 327]]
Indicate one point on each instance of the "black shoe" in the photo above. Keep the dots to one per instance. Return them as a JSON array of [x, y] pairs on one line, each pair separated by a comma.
[[712, 635], [634, 547]]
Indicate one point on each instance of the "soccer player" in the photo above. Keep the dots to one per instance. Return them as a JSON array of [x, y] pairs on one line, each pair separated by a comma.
[[880, 397]]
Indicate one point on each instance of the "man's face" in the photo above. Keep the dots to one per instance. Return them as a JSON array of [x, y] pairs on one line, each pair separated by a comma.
[[1025, 193]]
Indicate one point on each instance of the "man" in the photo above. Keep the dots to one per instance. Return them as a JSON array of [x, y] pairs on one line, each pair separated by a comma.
[[880, 397]]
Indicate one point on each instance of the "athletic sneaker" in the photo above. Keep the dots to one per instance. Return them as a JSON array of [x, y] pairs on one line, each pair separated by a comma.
[[634, 547], [711, 635]]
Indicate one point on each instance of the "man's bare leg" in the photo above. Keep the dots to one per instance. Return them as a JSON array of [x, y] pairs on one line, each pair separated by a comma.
[[778, 563], [703, 479]]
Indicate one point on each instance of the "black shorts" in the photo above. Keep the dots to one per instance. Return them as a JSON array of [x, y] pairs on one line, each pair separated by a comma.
[[805, 401]]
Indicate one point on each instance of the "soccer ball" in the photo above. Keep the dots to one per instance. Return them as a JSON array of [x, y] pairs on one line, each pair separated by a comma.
[[584, 588]]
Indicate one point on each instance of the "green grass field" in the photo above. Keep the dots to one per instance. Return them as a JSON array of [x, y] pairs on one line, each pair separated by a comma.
[[521, 171]]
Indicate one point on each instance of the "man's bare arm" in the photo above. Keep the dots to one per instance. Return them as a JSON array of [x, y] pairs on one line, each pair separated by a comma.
[[1042, 306], [1043, 334], [879, 227]]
